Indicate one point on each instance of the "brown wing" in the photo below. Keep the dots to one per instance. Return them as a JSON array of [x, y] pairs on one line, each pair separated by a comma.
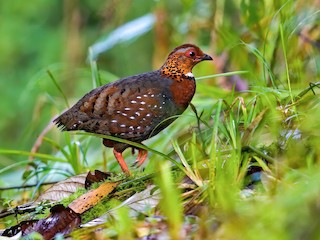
[[130, 108]]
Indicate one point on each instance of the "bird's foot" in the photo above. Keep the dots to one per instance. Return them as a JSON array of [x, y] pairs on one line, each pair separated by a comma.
[[142, 156]]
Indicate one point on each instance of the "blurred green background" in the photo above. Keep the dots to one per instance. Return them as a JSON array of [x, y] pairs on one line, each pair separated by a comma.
[[56, 35], [259, 120]]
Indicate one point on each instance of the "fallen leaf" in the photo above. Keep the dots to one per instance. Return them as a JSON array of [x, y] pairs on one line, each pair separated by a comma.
[[98, 176], [61, 220], [63, 189], [91, 198], [140, 202], [143, 201]]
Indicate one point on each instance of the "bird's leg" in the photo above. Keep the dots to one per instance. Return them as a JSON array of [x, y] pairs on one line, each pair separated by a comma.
[[121, 162]]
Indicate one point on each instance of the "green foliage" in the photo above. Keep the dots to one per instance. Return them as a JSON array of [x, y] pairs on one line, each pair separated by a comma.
[[273, 125], [170, 203]]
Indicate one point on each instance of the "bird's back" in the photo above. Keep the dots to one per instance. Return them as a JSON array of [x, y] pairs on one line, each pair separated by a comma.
[[133, 108]]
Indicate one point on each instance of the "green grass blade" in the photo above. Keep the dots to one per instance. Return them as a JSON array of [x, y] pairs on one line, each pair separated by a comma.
[[58, 87], [286, 61], [18, 164], [222, 75], [38, 155], [171, 202], [188, 169]]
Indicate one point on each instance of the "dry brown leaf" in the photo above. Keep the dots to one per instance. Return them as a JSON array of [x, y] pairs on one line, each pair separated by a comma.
[[91, 198], [61, 220], [97, 176], [64, 220], [139, 203], [63, 189]]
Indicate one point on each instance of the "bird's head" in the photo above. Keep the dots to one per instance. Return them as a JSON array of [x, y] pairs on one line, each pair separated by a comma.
[[181, 60]]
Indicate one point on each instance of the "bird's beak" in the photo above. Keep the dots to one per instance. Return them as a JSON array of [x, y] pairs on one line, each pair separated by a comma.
[[206, 57]]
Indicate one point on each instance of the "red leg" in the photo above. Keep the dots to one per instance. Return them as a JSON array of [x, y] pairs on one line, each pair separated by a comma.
[[142, 156], [121, 162]]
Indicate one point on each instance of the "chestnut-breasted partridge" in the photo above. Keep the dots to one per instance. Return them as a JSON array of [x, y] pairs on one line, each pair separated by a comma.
[[137, 107]]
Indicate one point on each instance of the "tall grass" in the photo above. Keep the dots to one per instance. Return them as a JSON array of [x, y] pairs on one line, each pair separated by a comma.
[[252, 155]]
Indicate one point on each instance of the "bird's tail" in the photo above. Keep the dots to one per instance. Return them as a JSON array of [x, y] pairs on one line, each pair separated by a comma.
[[67, 122]]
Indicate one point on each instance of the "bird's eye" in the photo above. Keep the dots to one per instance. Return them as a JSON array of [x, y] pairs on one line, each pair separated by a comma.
[[192, 54]]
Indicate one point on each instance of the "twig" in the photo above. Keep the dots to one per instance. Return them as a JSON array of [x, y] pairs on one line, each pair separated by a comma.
[[25, 186], [39, 140], [26, 208]]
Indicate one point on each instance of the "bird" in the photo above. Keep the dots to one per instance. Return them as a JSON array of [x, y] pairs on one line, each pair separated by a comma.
[[138, 107]]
